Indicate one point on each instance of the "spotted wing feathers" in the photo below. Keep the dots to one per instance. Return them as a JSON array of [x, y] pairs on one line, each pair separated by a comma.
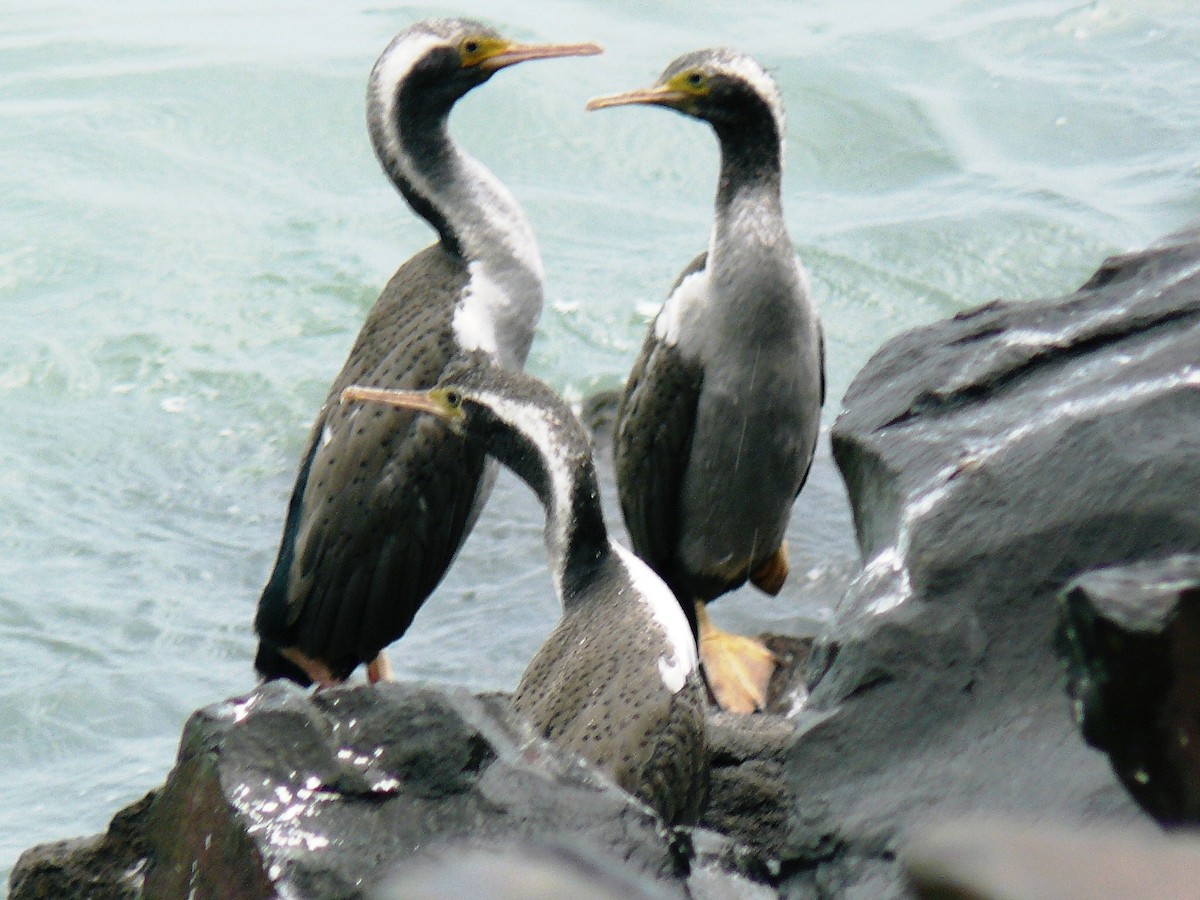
[[595, 687], [384, 499]]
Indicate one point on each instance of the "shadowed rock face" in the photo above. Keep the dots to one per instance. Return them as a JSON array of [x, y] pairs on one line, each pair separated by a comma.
[[989, 458], [1131, 637], [974, 859]]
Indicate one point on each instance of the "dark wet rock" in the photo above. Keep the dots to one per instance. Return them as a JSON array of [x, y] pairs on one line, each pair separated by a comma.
[[318, 792], [109, 866], [1009, 860], [320, 795], [788, 689], [1131, 637], [990, 458], [287, 793], [518, 871]]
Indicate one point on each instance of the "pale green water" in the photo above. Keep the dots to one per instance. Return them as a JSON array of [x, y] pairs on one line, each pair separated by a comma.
[[193, 227]]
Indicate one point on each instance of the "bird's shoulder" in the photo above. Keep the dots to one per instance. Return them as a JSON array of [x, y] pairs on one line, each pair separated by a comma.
[[409, 329], [685, 301], [605, 699]]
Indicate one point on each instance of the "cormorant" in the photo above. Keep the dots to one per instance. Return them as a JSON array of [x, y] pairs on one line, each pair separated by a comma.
[[719, 419], [618, 680], [384, 499]]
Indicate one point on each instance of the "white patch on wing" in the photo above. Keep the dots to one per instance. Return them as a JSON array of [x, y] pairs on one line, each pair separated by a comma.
[[681, 306], [326, 435], [653, 591], [476, 313]]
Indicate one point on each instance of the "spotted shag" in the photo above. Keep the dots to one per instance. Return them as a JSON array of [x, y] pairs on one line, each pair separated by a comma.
[[384, 498], [718, 422], [618, 680]]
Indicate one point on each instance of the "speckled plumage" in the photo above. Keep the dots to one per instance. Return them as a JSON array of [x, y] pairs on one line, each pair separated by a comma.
[[594, 687], [384, 498], [618, 679]]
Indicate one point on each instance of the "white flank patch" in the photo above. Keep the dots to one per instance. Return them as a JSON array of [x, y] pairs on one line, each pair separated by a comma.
[[326, 435], [475, 315], [692, 292], [654, 592], [533, 421]]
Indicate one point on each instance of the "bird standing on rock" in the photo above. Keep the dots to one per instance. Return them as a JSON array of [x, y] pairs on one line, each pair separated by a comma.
[[719, 419], [618, 681], [384, 499]]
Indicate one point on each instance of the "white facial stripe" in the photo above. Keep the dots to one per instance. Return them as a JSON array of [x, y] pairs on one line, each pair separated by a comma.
[[759, 78], [393, 66], [534, 422], [667, 612]]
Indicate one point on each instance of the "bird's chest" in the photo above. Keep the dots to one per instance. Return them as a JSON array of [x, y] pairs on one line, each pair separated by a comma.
[[752, 426]]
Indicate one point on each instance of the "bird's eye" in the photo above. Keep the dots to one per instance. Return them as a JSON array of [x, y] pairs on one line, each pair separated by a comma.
[[453, 399], [695, 79], [470, 47]]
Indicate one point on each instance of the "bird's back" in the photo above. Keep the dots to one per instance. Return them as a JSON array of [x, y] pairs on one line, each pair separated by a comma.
[[383, 499], [597, 686]]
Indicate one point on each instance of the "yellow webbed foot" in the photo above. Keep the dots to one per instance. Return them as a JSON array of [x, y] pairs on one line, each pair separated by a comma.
[[314, 668], [379, 669], [738, 668]]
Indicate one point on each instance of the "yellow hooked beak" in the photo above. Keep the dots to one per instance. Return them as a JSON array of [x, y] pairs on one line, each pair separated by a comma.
[[504, 55], [660, 95], [435, 402]]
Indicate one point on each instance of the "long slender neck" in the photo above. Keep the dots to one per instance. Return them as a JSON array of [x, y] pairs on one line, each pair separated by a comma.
[[475, 216], [750, 255], [750, 160], [576, 537], [555, 460], [748, 211]]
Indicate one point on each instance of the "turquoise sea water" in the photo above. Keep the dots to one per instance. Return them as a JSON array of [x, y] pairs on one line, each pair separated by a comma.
[[193, 226]]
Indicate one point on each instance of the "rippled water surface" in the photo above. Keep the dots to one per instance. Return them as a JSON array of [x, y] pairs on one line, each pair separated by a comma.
[[193, 226]]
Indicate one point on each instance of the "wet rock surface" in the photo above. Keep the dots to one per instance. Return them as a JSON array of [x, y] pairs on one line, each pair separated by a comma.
[[1012, 860], [1131, 637], [989, 459], [109, 866], [320, 795]]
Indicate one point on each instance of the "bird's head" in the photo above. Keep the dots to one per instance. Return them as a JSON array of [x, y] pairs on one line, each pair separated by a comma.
[[483, 402], [442, 59], [448, 404], [718, 86]]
